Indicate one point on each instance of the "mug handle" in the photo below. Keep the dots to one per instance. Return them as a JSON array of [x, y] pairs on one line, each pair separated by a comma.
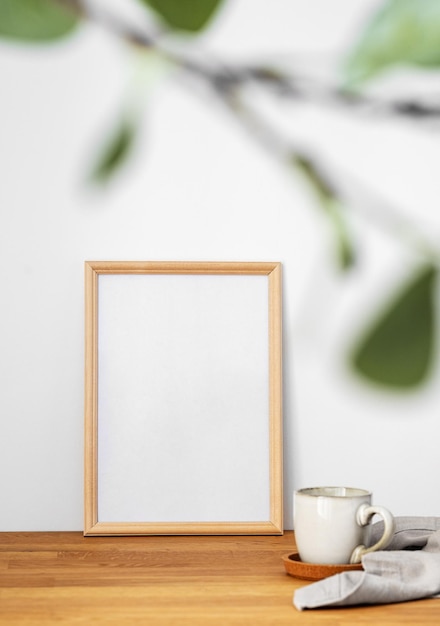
[[363, 515]]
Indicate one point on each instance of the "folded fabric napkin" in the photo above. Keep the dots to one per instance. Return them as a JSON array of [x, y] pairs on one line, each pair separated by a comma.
[[409, 569]]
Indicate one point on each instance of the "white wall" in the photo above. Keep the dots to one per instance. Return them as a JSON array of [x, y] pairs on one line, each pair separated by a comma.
[[199, 189]]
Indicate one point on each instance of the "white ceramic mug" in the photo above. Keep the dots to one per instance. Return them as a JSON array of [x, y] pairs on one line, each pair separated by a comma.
[[331, 524]]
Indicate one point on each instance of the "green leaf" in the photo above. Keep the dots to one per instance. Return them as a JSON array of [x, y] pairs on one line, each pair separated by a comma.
[[329, 201], [186, 15], [397, 350], [405, 32], [35, 20], [115, 152]]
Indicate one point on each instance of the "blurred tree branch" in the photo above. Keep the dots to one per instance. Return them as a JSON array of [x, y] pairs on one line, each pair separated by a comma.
[[229, 82], [401, 32], [224, 78]]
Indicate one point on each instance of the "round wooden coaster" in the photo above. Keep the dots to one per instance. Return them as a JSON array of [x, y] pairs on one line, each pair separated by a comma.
[[314, 571]]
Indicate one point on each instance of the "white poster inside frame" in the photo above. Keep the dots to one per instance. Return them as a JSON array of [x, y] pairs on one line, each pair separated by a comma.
[[183, 426]]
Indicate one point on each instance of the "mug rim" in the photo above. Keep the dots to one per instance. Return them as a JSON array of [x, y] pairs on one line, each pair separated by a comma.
[[333, 492]]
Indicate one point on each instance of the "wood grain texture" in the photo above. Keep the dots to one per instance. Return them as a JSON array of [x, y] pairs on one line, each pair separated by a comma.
[[90, 396], [182, 267], [276, 395], [64, 578]]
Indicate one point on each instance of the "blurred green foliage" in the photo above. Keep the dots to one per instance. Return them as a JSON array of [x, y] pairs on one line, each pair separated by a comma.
[[402, 32], [185, 15], [115, 151], [397, 349], [328, 199], [35, 20]]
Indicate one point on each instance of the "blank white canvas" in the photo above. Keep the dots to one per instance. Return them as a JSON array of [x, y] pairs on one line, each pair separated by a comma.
[[183, 398]]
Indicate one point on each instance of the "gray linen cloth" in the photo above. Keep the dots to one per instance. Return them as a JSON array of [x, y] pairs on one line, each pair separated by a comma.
[[409, 569]]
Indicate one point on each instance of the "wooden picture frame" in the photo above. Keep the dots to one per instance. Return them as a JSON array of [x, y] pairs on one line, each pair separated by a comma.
[[183, 398]]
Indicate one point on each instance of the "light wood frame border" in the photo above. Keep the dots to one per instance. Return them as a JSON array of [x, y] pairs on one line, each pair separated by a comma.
[[91, 525]]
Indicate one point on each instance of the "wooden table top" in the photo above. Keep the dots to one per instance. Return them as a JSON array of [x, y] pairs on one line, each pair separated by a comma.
[[64, 578]]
